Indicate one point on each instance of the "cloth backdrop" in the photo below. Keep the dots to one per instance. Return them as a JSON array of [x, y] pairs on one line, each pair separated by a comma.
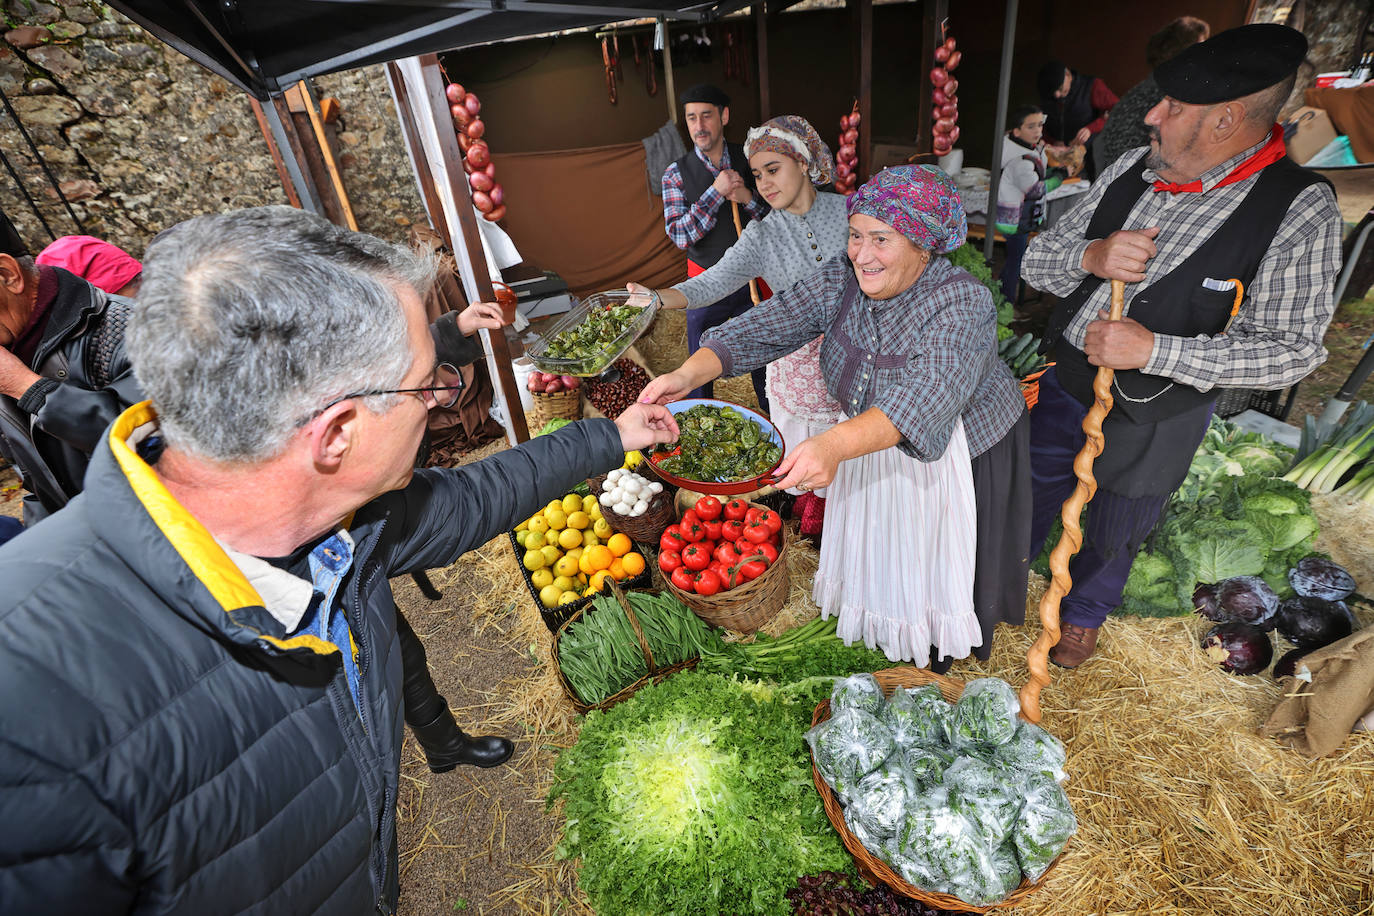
[[586, 214]]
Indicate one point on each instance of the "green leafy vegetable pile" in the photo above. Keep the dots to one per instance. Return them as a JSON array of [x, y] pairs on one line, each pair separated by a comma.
[[720, 444], [810, 650], [695, 797]]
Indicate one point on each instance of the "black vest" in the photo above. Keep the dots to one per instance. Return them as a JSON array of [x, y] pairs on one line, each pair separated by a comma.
[[1150, 441], [1177, 304], [696, 178], [1067, 116]]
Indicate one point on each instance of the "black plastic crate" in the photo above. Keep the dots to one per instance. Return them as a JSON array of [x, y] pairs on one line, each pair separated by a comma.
[[1277, 404], [555, 617]]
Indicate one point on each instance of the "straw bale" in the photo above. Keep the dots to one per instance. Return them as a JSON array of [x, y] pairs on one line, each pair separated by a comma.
[[1346, 525]]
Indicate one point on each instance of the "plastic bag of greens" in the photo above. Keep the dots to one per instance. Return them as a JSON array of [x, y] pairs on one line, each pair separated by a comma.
[[878, 802], [938, 848], [1043, 827], [858, 691], [926, 765], [986, 795], [996, 876], [847, 747], [985, 716], [918, 716], [1032, 750]]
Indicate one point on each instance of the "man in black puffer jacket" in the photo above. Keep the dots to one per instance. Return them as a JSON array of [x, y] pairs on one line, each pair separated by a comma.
[[200, 678], [63, 373]]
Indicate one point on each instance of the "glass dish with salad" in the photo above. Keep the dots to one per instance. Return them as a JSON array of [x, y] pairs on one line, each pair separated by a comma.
[[596, 333]]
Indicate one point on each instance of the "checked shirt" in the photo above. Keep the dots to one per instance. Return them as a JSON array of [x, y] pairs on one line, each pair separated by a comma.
[[686, 224], [1275, 340]]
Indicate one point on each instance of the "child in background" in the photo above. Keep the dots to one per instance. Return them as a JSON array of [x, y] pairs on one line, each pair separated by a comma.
[[1021, 190]]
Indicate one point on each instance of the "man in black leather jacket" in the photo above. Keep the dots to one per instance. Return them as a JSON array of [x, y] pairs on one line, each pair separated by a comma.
[[63, 373]]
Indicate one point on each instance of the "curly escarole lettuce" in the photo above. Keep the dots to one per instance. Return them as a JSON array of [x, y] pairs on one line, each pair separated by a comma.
[[695, 797]]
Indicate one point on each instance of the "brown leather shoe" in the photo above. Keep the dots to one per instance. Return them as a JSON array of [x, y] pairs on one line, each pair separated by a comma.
[[1076, 645]]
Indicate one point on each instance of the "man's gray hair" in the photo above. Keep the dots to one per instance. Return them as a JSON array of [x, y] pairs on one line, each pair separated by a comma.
[[249, 322]]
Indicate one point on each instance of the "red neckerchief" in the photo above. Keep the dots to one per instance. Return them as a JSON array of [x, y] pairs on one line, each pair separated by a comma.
[[1268, 154]]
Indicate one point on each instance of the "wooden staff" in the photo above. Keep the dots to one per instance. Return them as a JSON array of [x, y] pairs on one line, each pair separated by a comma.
[[753, 284], [1038, 658]]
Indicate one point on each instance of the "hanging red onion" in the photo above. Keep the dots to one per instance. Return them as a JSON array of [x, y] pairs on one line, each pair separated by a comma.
[[854, 119], [474, 106], [944, 125], [951, 87], [939, 96], [941, 54], [950, 45], [490, 170], [954, 135], [482, 201], [844, 123], [851, 137], [954, 59], [498, 195], [476, 128], [842, 171], [460, 115], [949, 110], [479, 155], [939, 76], [942, 145], [498, 214], [464, 142], [847, 151], [481, 181], [454, 93]]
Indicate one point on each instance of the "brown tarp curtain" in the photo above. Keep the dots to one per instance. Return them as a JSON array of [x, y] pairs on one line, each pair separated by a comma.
[[587, 215]]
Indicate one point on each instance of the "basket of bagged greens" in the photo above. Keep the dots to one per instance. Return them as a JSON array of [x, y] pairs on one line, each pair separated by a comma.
[[939, 789]]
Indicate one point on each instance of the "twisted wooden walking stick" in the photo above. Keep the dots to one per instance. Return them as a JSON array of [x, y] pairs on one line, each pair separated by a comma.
[[1038, 658], [753, 284]]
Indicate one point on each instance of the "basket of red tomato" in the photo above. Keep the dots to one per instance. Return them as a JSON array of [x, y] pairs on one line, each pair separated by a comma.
[[727, 561]]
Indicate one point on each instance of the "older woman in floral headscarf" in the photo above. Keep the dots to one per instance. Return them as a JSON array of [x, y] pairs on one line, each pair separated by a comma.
[[806, 228], [927, 534]]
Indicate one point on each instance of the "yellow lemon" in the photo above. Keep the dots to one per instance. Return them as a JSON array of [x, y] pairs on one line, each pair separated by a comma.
[[549, 595], [564, 583], [551, 554], [599, 557], [575, 553], [588, 593], [633, 562], [534, 540], [554, 504], [598, 580], [595, 512], [520, 537], [566, 566], [619, 544], [571, 503], [579, 520], [534, 559], [557, 518], [568, 597], [541, 577], [538, 524], [569, 538], [588, 504], [523, 525], [589, 539], [602, 528], [617, 570]]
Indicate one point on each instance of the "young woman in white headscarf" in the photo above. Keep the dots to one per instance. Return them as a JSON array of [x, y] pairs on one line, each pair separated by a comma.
[[806, 228]]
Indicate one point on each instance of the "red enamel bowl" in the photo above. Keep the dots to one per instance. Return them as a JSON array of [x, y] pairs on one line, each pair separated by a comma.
[[720, 488]]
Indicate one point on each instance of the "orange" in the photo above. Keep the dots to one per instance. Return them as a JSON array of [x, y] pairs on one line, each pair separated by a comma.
[[598, 580], [633, 563], [584, 563], [598, 557], [620, 544], [617, 570]]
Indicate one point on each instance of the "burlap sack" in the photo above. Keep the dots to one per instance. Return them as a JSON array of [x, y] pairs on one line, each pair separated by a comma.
[[1315, 718]]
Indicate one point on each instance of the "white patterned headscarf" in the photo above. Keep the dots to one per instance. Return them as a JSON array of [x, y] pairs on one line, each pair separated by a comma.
[[793, 135]]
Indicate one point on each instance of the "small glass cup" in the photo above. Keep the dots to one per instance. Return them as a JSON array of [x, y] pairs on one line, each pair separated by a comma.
[[507, 299]]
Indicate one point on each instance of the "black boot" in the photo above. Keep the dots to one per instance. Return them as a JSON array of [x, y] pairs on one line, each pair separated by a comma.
[[446, 745]]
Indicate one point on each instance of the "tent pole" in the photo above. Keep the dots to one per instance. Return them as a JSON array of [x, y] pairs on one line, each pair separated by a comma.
[[287, 140], [1003, 90], [761, 42], [668, 87], [931, 35]]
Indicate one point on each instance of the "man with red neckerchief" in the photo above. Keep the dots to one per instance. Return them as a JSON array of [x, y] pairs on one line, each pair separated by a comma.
[[1213, 202]]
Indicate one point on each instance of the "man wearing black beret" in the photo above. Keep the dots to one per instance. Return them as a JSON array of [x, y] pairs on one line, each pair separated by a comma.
[[1228, 251], [63, 373], [699, 192]]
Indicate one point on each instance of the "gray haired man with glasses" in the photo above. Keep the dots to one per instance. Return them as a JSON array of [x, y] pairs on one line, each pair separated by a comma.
[[200, 673]]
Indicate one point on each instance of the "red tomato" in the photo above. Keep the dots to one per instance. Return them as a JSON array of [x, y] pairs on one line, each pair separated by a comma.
[[756, 532], [770, 553], [732, 530], [696, 557], [712, 530], [751, 569], [669, 560], [707, 582], [745, 546], [671, 539], [693, 533], [771, 519], [752, 514], [689, 517], [682, 579], [727, 553], [709, 508], [735, 510]]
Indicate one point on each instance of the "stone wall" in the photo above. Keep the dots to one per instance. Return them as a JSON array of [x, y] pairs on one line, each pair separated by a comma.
[[139, 137]]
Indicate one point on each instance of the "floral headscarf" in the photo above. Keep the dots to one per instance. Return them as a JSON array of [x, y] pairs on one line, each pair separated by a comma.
[[793, 136], [919, 201]]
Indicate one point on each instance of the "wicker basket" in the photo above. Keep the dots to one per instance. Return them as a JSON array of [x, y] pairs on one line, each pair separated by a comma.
[[650, 525], [556, 616], [874, 869], [562, 405], [746, 607], [655, 674]]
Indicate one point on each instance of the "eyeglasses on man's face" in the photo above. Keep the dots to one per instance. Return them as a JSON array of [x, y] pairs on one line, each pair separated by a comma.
[[444, 387]]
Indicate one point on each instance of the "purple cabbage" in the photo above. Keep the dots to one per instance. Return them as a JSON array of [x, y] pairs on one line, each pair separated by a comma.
[[1238, 648], [1318, 577], [1310, 623], [1205, 603], [1248, 599]]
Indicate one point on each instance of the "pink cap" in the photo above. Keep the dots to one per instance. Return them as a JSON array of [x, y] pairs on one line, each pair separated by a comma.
[[99, 263]]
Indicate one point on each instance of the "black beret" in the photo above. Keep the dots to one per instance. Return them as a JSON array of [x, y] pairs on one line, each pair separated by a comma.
[[705, 92], [10, 242], [1232, 64]]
